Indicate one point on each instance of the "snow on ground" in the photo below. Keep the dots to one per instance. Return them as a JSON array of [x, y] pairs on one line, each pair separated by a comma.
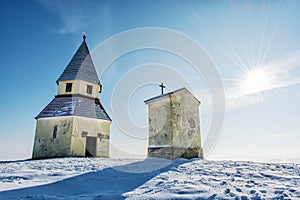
[[153, 178]]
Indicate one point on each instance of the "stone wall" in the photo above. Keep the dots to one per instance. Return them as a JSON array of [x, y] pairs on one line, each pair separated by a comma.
[[45, 145], [70, 140], [94, 128], [174, 126], [185, 120], [159, 123]]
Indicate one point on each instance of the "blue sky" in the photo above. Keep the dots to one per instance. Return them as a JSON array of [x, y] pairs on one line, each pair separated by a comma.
[[254, 44]]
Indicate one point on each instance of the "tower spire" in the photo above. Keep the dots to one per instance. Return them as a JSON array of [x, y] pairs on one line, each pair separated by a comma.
[[81, 66]]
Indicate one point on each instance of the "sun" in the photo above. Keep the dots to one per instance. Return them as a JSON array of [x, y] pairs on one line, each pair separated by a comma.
[[255, 81]]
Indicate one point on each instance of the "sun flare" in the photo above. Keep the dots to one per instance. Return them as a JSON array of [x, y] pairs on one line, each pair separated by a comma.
[[255, 81]]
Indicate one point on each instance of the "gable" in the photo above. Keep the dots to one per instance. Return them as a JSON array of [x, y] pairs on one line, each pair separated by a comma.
[[181, 90]]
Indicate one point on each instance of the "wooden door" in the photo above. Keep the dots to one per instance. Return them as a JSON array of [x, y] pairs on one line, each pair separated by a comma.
[[91, 147]]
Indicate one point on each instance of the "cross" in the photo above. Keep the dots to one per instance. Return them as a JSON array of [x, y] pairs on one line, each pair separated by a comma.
[[162, 88]]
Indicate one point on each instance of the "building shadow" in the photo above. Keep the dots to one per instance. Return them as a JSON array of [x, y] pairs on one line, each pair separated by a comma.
[[109, 183]]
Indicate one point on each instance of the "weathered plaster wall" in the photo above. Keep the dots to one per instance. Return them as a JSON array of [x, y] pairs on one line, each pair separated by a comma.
[[174, 126], [69, 140], [159, 123], [185, 120], [185, 125], [94, 128], [79, 87], [47, 146]]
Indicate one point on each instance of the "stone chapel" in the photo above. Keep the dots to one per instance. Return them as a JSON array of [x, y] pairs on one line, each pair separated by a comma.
[[174, 126], [74, 123]]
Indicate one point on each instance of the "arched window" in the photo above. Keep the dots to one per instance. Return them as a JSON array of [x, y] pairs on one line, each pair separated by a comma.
[[54, 132]]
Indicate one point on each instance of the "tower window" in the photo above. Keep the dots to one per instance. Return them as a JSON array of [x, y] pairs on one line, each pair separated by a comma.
[[68, 87], [89, 89], [54, 132]]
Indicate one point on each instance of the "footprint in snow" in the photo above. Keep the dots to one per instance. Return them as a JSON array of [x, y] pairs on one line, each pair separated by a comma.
[[252, 191]]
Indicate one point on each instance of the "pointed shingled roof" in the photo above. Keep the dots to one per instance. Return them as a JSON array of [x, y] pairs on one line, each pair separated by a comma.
[[81, 66]]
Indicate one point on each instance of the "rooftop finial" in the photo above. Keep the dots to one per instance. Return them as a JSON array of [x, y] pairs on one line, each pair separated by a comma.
[[162, 88], [84, 35]]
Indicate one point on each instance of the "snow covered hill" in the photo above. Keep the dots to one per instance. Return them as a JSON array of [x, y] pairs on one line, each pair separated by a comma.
[[153, 178]]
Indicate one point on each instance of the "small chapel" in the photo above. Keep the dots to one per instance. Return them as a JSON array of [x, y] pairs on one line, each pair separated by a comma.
[[174, 125], [74, 123]]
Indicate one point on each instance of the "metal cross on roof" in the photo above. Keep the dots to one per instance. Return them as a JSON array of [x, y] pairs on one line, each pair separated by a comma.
[[162, 88]]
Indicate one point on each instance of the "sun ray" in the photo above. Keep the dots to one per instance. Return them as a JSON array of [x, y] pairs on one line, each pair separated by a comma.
[[256, 78], [268, 46], [239, 59], [262, 39], [239, 62], [238, 69], [250, 32]]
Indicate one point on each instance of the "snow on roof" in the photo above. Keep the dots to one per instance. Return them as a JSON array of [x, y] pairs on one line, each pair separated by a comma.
[[167, 94], [78, 105]]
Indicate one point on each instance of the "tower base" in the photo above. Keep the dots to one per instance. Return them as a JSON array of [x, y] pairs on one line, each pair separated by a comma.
[[173, 153]]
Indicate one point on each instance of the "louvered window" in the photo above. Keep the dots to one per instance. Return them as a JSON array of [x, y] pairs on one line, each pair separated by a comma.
[[89, 89], [68, 87]]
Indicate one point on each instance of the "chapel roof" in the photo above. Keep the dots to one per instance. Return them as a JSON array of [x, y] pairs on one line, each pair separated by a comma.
[[74, 105], [81, 66], [169, 93]]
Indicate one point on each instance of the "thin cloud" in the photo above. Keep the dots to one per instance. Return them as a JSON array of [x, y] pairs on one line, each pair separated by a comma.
[[76, 14], [283, 135]]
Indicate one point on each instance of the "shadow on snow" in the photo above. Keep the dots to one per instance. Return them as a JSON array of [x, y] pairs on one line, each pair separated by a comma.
[[108, 183]]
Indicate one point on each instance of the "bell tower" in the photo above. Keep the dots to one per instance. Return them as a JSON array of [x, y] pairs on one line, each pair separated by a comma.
[[80, 79], [74, 123]]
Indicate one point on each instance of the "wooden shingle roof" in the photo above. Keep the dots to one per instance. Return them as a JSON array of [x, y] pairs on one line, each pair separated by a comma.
[[81, 66]]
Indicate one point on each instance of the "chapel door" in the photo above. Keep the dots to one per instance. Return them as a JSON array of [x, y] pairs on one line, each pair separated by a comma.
[[91, 147]]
